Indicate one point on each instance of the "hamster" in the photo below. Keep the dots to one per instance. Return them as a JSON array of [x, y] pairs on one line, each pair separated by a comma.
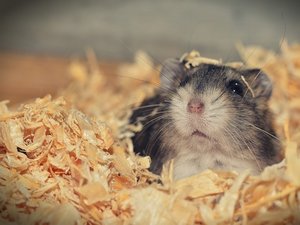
[[208, 117]]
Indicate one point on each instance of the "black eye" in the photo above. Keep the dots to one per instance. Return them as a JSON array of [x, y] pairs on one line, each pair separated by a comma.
[[236, 87], [184, 81]]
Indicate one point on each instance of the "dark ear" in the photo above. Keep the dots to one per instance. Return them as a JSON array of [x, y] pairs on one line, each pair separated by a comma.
[[171, 74], [259, 82]]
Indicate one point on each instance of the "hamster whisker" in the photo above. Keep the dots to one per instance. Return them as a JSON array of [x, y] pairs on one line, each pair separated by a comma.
[[141, 58], [148, 106], [234, 139], [155, 119], [250, 149], [167, 111], [167, 101], [157, 116], [149, 146], [216, 99], [263, 131], [151, 117], [141, 80], [252, 155], [148, 82], [227, 106], [159, 132]]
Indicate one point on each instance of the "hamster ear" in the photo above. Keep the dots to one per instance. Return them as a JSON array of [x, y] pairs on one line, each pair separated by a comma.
[[171, 73], [259, 82]]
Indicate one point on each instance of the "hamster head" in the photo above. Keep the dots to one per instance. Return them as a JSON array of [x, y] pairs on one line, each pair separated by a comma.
[[220, 113]]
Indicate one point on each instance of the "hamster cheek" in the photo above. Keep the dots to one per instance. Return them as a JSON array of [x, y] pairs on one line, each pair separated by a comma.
[[218, 112]]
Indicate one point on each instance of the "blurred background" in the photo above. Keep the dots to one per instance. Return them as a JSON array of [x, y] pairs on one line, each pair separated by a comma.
[[38, 38]]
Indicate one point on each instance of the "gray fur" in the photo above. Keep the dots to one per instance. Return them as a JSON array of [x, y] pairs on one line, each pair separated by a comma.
[[239, 128]]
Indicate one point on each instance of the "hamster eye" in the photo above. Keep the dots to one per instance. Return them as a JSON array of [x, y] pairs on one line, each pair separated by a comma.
[[184, 81], [236, 87]]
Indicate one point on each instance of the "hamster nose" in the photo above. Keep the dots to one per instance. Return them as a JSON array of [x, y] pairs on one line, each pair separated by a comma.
[[195, 106]]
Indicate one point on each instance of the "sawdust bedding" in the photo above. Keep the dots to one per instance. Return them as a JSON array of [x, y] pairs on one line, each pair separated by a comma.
[[69, 159]]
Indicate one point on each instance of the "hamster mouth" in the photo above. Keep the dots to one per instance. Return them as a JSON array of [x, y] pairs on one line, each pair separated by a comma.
[[199, 134]]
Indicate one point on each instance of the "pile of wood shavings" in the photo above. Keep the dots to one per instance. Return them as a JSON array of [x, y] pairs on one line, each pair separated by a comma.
[[70, 160]]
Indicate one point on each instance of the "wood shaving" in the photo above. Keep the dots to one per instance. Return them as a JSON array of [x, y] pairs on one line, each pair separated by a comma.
[[70, 160], [248, 86], [193, 59]]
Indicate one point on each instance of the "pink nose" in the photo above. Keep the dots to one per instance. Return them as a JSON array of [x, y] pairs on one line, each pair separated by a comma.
[[195, 106]]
